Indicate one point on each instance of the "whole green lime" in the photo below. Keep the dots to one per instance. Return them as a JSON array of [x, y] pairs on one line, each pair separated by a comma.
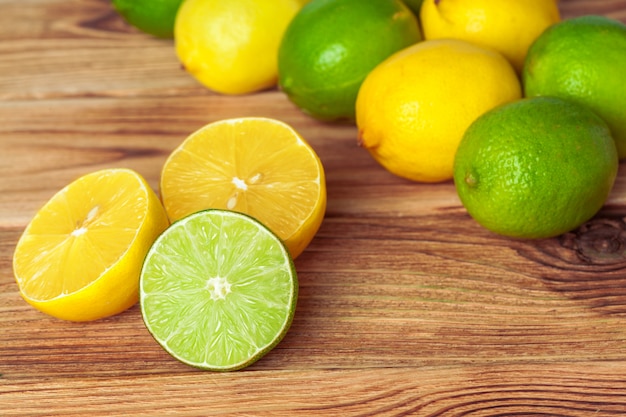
[[535, 168], [155, 17], [583, 59], [331, 45]]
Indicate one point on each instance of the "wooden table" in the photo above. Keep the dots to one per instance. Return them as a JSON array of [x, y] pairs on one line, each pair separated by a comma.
[[406, 305]]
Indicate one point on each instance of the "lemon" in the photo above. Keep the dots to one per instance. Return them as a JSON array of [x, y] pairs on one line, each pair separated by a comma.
[[507, 26], [331, 45], [583, 59], [413, 108], [218, 290], [535, 168], [80, 257], [231, 46], [155, 17], [254, 165]]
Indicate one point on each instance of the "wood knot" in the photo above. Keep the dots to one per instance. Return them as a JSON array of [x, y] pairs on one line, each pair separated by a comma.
[[600, 241]]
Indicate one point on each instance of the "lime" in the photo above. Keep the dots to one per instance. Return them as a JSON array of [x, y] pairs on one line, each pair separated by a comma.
[[535, 168], [155, 17], [584, 60], [414, 107], [218, 290], [331, 45]]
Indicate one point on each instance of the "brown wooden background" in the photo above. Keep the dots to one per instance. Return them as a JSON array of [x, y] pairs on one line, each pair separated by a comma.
[[406, 305]]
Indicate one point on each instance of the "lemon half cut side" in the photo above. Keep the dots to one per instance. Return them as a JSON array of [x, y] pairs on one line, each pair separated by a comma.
[[80, 257], [254, 165]]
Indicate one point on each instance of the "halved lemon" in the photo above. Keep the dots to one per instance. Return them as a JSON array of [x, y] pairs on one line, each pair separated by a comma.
[[258, 166], [80, 257]]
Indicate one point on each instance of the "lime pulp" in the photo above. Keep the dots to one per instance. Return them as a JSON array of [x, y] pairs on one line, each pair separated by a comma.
[[218, 290]]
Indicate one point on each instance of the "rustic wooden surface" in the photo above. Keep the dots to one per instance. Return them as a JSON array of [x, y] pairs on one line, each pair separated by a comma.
[[406, 305]]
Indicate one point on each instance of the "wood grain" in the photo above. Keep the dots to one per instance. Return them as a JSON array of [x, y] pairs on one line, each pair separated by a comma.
[[406, 306]]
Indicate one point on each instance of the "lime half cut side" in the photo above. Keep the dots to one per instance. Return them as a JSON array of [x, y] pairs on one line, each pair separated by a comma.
[[218, 290]]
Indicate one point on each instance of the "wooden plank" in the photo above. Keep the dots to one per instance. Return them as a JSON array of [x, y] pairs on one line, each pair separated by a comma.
[[406, 305], [504, 390]]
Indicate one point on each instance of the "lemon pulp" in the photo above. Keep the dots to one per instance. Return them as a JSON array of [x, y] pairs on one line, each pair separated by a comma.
[[258, 166], [80, 256]]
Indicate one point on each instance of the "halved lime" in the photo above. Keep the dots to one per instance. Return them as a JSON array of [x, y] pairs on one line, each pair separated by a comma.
[[218, 290]]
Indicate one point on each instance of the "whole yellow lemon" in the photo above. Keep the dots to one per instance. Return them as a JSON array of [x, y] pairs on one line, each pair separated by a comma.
[[231, 47], [414, 107], [508, 26]]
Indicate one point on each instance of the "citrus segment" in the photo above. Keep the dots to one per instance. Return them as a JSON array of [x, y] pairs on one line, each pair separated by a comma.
[[218, 290], [80, 256], [257, 166]]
